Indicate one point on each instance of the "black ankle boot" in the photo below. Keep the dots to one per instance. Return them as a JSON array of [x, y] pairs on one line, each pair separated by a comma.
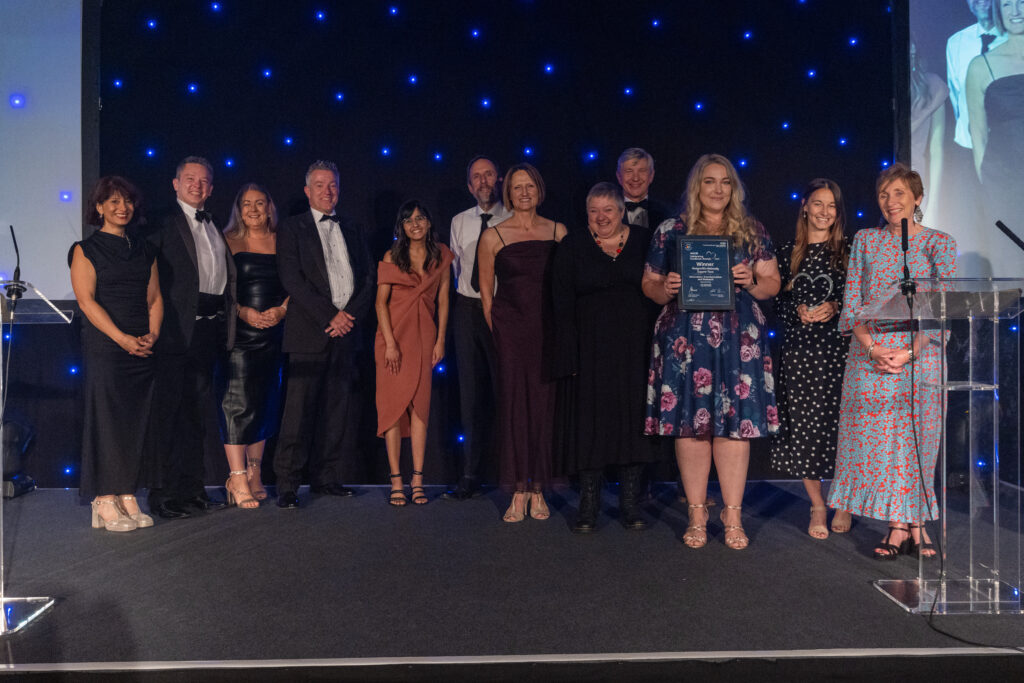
[[630, 483], [590, 502]]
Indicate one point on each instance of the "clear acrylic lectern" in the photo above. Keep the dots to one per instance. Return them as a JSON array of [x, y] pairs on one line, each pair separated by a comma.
[[975, 323], [19, 612]]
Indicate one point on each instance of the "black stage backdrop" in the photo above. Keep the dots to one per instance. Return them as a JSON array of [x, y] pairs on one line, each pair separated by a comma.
[[401, 95]]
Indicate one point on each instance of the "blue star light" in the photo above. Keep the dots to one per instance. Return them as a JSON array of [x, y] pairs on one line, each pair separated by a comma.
[[742, 163], [590, 156], [339, 96], [842, 142], [17, 101], [65, 196], [288, 140], [151, 24], [811, 73], [193, 88], [794, 196], [475, 33], [267, 73], [527, 151], [437, 156], [393, 11], [655, 22], [385, 151], [853, 41], [440, 368], [229, 162], [885, 163], [412, 79], [860, 214], [485, 103], [785, 125], [549, 68], [747, 35], [215, 6], [150, 152], [699, 106], [73, 370], [320, 15], [461, 438], [117, 83], [627, 91]]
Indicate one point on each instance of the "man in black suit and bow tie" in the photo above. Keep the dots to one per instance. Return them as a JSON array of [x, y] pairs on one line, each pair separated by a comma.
[[324, 266], [635, 171], [197, 280]]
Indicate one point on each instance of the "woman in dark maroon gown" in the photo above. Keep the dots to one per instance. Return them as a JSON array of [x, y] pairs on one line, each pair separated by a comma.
[[518, 253]]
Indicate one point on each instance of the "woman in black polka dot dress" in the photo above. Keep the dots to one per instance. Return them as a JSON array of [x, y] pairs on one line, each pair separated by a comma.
[[810, 376]]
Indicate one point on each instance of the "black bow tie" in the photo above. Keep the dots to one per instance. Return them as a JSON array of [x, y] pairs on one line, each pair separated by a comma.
[[986, 41], [633, 206], [332, 217], [203, 216]]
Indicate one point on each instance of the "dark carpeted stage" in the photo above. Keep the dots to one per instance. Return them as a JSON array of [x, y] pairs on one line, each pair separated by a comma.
[[350, 589]]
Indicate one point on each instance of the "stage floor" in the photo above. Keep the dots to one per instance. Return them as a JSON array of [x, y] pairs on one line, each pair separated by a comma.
[[343, 579]]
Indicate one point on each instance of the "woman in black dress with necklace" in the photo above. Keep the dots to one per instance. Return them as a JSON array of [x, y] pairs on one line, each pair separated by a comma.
[[115, 282], [253, 395], [810, 376], [603, 324]]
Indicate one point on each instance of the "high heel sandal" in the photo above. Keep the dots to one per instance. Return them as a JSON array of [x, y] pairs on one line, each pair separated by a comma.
[[120, 522], [516, 514], [696, 535], [235, 497], [837, 527], [738, 539], [142, 520], [886, 550], [419, 497], [818, 532], [397, 497], [539, 512], [254, 478], [920, 548]]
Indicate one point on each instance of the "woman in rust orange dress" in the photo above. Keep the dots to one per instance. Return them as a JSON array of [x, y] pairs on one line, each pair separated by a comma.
[[412, 284]]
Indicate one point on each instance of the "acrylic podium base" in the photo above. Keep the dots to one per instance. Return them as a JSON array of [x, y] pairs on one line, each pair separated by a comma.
[[960, 596], [20, 612]]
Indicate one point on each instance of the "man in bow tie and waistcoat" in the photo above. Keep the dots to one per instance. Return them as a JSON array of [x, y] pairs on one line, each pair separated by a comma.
[[197, 281], [474, 346], [324, 265], [635, 171]]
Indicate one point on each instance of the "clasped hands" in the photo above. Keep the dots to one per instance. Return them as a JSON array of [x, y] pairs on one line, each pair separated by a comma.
[[818, 314], [138, 346], [888, 361], [340, 325], [261, 320]]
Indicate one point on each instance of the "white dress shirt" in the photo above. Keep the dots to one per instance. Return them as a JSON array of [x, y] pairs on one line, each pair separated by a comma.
[[465, 235], [634, 217], [339, 265], [961, 48], [210, 252]]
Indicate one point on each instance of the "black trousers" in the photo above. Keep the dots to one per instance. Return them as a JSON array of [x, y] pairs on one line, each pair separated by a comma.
[[478, 373], [320, 425], [184, 395]]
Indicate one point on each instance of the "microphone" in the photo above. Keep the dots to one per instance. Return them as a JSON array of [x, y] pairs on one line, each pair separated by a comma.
[[16, 288], [1009, 233], [907, 286]]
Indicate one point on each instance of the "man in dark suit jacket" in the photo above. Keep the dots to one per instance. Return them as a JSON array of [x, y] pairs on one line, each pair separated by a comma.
[[324, 265], [635, 171], [197, 280]]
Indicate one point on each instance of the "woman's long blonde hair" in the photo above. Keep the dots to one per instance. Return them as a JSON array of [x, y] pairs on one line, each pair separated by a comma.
[[738, 223]]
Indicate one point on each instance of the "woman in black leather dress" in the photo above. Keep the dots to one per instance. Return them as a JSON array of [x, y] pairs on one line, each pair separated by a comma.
[[253, 392]]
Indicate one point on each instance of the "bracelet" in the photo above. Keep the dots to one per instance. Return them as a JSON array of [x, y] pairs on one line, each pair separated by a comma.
[[910, 351], [871, 347]]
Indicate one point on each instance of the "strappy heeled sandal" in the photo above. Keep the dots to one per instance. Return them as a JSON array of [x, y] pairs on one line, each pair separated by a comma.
[[886, 550], [141, 518], [120, 522], [516, 514], [819, 532], [696, 535], [540, 512], [254, 476], [920, 548], [234, 497], [397, 497], [735, 537], [419, 496]]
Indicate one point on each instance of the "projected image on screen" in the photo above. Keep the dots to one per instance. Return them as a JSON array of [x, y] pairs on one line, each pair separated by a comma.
[[967, 125]]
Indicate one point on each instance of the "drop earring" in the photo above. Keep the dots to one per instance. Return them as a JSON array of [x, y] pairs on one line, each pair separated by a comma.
[[918, 214]]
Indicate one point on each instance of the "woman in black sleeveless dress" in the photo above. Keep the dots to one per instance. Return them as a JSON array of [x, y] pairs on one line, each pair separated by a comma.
[[253, 394], [518, 253], [115, 281]]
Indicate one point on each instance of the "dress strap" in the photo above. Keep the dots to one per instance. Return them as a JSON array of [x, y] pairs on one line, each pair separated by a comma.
[[554, 229], [985, 57], [499, 236]]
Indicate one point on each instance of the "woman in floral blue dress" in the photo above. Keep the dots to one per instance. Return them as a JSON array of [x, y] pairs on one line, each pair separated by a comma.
[[710, 385]]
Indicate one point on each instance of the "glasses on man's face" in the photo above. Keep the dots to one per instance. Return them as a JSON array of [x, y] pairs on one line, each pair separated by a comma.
[[418, 220]]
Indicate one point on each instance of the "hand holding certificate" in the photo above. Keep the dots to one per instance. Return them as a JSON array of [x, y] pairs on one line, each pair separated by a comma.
[[705, 268]]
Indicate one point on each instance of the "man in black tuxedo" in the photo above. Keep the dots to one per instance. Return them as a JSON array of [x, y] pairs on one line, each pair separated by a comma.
[[324, 266], [197, 280], [635, 171]]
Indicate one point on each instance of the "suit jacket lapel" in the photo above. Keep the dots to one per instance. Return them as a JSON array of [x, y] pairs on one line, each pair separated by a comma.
[[187, 238], [317, 246]]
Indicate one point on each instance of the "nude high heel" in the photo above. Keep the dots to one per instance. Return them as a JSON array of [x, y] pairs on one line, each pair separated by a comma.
[[141, 519], [120, 522]]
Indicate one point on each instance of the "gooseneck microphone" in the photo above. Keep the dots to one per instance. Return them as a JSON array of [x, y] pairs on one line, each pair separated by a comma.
[[907, 286], [15, 288]]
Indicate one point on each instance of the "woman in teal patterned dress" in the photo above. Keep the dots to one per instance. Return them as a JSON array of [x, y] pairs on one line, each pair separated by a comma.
[[710, 385]]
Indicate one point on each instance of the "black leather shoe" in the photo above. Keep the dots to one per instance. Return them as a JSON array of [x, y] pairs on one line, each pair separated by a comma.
[[333, 490], [203, 502], [466, 489], [288, 501], [169, 509]]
